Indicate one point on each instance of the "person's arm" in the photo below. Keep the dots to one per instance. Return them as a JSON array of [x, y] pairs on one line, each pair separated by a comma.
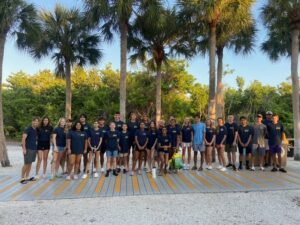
[[145, 143], [249, 140], [118, 141], [137, 142], [89, 143], [235, 138], [69, 145], [54, 135], [155, 142], [24, 137], [85, 145], [100, 142], [213, 140], [224, 138]]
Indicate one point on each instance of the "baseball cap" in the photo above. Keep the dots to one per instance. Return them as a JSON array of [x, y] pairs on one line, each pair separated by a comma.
[[259, 115], [269, 113]]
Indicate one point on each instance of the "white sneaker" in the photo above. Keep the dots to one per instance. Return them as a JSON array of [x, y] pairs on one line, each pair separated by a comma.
[[96, 175], [94, 170], [68, 177], [84, 176], [209, 168], [102, 170], [188, 167], [223, 169], [43, 176], [262, 168], [252, 168], [220, 167], [75, 177], [37, 177], [52, 177]]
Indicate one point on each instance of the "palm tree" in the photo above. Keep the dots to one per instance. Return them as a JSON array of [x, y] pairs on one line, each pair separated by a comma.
[[18, 18], [282, 20], [206, 16], [154, 37], [69, 41], [116, 14]]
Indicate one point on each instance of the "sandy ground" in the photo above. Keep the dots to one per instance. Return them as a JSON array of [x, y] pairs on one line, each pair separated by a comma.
[[264, 208]]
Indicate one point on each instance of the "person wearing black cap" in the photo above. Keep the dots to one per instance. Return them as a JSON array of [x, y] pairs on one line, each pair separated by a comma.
[[258, 143]]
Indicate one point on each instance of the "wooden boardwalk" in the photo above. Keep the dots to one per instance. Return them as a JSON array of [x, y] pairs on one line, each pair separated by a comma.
[[125, 185]]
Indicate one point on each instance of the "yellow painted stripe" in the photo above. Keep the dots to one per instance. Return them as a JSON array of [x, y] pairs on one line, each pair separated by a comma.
[[271, 179], [283, 177], [39, 191], [152, 182], [81, 186], [4, 180], [170, 182], [22, 190], [236, 180], [9, 187], [100, 184], [202, 180], [118, 183], [186, 181], [253, 180], [135, 184], [61, 188], [218, 179]]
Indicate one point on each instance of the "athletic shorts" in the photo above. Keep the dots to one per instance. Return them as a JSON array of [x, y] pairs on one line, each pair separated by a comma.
[[276, 149], [230, 148], [248, 150], [125, 154], [257, 150], [112, 153], [163, 151], [186, 144], [77, 152], [30, 156], [43, 145], [60, 149], [267, 144], [198, 148]]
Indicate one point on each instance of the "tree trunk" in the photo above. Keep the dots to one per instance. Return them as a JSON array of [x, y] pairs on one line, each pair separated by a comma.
[[68, 112], [3, 150], [220, 97], [123, 32], [158, 93], [295, 84], [212, 73]]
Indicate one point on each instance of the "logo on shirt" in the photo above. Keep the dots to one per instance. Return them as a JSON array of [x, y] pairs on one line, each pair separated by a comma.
[[166, 140], [114, 135]]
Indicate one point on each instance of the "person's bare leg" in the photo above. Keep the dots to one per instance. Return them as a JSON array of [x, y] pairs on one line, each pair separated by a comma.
[[229, 158], [184, 158], [59, 154], [161, 166], [195, 158], [77, 163], [45, 161], [203, 155], [97, 157], [233, 158], [28, 170], [189, 154], [167, 160], [140, 158], [39, 162]]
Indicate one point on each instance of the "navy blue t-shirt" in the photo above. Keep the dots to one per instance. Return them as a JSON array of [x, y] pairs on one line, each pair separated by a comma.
[[95, 136], [119, 125], [147, 126], [103, 131], [132, 128], [87, 128], [245, 132], [209, 134], [78, 139], [112, 138], [60, 136], [231, 130], [152, 136], [141, 137], [32, 138], [173, 132], [44, 133], [124, 142], [164, 140], [186, 132], [275, 132], [220, 134]]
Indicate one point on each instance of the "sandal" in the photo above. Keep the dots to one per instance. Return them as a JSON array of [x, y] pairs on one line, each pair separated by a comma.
[[32, 179]]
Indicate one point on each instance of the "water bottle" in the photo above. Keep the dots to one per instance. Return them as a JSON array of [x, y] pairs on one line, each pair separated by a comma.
[[154, 173]]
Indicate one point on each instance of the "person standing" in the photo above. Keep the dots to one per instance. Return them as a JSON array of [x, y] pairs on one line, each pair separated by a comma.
[[124, 147], [231, 141], [44, 137], [103, 129], [198, 142], [210, 138], [267, 121], [275, 134], [258, 143], [186, 142], [29, 147], [151, 145], [245, 134], [118, 122], [133, 126], [221, 135], [164, 144], [174, 132]]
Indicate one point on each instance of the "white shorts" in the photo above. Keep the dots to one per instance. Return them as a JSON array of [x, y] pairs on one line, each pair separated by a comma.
[[186, 144], [199, 148]]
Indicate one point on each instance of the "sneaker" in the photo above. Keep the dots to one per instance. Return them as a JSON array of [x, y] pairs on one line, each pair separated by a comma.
[[43, 176], [102, 170], [184, 166], [107, 173], [132, 173], [229, 165], [219, 167], [125, 171], [115, 173], [139, 172], [240, 167], [23, 181], [37, 177], [94, 170], [282, 170], [194, 168], [252, 168], [188, 167], [248, 168], [262, 168], [84, 176], [118, 170], [145, 168], [68, 177], [200, 169], [209, 168], [96, 175], [75, 177], [266, 165], [148, 171], [274, 169], [234, 168], [223, 169]]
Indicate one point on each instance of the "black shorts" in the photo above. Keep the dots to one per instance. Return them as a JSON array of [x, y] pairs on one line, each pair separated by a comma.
[[248, 150], [77, 152], [30, 156], [43, 145]]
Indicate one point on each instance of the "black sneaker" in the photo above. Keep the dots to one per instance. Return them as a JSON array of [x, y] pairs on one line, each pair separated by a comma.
[[274, 169], [23, 181], [194, 168], [266, 165], [234, 168], [107, 173], [240, 167], [115, 173], [282, 170], [229, 165], [118, 170], [125, 171]]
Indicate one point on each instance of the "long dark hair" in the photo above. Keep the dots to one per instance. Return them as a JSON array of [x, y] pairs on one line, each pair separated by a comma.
[[42, 122], [218, 126], [75, 124]]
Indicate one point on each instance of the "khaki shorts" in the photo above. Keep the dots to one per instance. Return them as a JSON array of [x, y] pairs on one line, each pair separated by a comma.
[[230, 148], [123, 154]]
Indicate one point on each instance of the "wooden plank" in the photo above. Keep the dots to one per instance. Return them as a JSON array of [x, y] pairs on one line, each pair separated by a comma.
[[252, 179], [170, 182], [236, 180], [100, 184], [15, 195], [10, 186], [142, 187], [118, 184], [61, 188], [129, 188], [186, 181], [41, 189], [218, 179], [81, 186], [152, 182], [123, 190], [202, 180], [135, 185]]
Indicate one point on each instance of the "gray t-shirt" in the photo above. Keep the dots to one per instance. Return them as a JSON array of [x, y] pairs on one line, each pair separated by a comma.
[[260, 131]]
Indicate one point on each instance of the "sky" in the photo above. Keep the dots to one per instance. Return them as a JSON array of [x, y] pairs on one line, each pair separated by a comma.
[[256, 66]]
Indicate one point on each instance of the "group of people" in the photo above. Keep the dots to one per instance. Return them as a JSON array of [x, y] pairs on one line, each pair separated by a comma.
[[150, 144]]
